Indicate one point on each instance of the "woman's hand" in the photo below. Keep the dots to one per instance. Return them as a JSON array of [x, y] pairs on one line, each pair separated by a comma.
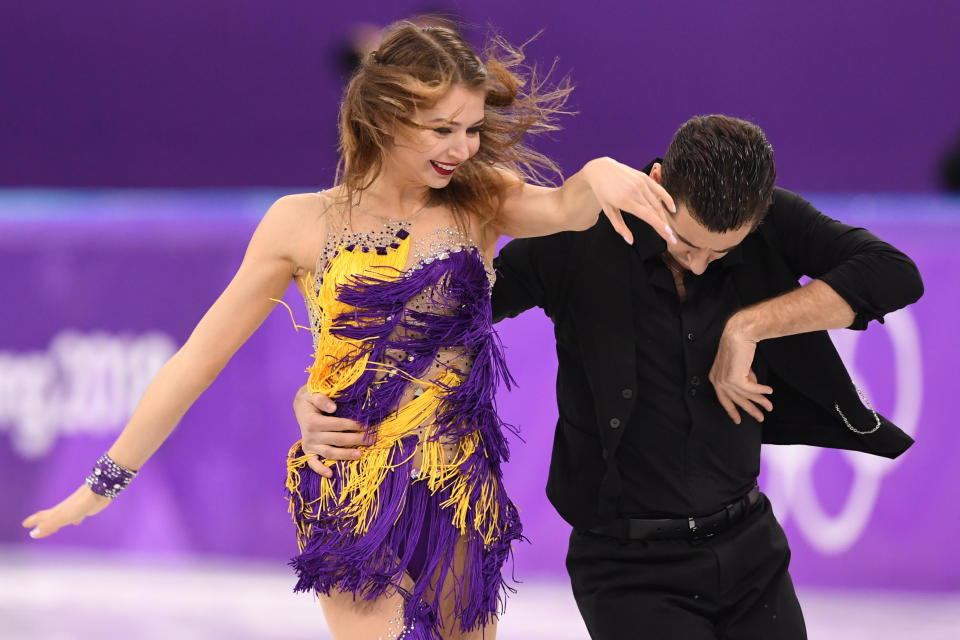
[[81, 503], [324, 437], [621, 188], [603, 183]]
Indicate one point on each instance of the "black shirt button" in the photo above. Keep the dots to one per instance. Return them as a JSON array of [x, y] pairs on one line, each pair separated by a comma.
[[695, 381], [693, 392], [691, 336], [614, 423], [627, 393]]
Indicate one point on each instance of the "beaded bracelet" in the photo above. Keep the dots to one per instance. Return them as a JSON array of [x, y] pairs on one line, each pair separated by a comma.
[[108, 478]]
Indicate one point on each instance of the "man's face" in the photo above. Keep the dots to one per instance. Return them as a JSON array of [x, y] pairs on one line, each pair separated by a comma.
[[696, 245]]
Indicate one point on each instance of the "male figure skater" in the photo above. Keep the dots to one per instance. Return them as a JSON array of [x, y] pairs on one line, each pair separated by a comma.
[[655, 469]]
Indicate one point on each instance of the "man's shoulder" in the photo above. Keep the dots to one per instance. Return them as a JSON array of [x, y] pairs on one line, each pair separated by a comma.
[[786, 200], [566, 239], [788, 212]]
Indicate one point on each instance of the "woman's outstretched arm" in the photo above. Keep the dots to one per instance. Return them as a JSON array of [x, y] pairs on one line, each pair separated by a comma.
[[603, 184], [265, 273]]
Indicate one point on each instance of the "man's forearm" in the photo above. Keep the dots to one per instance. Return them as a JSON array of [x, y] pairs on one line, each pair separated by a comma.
[[814, 307]]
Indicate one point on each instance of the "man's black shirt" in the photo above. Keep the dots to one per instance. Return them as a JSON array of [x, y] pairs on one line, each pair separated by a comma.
[[618, 393], [681, 455]]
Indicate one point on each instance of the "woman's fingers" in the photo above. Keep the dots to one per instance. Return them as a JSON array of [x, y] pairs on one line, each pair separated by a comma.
[[81, 503], [655, 193], [656, 219], [616, 219], [37, 523], [661, 195], [623, 188], [646, 205], [656, 199], [45, 523]]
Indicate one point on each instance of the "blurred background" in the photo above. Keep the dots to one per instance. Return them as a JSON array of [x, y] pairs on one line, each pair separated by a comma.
[[140, 142]]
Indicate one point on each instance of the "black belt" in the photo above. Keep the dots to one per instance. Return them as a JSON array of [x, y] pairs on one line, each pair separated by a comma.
[[697, 528]]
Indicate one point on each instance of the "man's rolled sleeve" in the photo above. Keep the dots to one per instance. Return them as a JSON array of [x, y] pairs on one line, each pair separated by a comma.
[[903, 287], [872, 276]]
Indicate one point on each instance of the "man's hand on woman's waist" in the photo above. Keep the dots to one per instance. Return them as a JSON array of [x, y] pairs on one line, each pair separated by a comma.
[[325, 437]]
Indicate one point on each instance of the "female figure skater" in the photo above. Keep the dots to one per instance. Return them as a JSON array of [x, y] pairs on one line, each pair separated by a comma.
[[408, 539]]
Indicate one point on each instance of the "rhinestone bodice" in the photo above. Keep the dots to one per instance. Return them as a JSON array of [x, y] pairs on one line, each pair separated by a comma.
[[432, 244], [435, 244]]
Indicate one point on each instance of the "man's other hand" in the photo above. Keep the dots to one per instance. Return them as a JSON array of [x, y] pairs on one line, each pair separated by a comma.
[[325, 436], [733, 380]]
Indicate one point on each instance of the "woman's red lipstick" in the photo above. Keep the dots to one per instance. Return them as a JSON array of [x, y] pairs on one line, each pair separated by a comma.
[[443, 168]]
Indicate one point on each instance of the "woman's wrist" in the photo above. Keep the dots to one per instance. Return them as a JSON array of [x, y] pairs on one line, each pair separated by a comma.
[[109, 478]]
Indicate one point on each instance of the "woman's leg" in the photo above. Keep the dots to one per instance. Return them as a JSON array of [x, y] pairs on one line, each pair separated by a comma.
[[450, 624], [350, 619], [359, 619], [382, 619]]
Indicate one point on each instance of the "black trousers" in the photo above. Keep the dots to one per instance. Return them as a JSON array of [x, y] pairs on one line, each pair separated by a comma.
[[733, 586]]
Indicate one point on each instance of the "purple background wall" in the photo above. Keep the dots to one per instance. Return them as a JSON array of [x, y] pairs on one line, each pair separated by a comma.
[[855, 95]]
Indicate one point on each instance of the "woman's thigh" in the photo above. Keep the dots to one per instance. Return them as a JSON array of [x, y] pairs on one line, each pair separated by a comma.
[[359, 619], [352, 618], [455, 584]]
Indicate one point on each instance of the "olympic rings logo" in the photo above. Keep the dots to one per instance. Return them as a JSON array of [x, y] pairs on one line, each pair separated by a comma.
[[790, 469]]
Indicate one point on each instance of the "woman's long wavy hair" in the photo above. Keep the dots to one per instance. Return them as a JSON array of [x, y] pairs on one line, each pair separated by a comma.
[[413, 68]]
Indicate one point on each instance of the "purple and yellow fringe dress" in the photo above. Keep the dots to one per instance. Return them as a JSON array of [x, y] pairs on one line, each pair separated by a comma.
[[410, 353]]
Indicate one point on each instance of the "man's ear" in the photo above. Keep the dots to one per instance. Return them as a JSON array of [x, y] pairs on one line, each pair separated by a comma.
[[656, 172]]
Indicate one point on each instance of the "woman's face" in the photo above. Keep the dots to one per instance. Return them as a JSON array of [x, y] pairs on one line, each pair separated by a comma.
[[449, 137]]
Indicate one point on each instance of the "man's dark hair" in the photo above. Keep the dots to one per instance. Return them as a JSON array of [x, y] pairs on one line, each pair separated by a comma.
[[722, 169]]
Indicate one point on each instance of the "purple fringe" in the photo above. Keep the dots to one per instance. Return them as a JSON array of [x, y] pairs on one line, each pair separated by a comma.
[[409, 523]]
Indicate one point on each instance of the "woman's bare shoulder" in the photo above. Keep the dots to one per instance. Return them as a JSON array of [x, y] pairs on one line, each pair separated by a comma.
[[300, 222], [306, 206]]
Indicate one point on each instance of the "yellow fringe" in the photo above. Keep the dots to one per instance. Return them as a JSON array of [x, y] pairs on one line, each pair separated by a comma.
[[328, 375], [296, 327], [358, 497]]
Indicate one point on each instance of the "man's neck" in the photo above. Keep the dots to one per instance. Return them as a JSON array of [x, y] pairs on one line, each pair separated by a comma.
[[678, 274]]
